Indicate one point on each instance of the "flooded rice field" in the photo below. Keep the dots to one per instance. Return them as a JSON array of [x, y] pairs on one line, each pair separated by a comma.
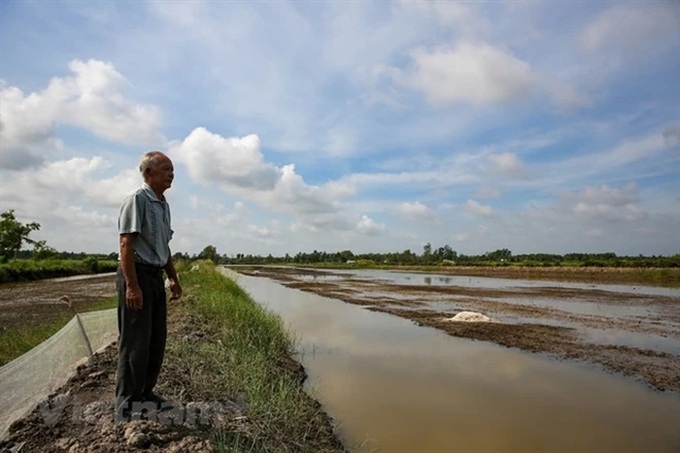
[[562, 367]]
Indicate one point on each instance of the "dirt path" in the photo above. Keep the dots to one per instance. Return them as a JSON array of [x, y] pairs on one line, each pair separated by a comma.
[[637, 335]]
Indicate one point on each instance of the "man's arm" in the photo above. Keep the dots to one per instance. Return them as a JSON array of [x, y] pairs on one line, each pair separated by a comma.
[[175, 287], [133, 293]]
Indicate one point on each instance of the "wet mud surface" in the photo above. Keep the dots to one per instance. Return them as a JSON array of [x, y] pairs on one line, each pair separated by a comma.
[[28, 303], [633, 334]]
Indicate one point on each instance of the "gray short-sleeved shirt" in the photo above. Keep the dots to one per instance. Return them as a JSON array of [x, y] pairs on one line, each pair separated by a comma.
[[143, 213]]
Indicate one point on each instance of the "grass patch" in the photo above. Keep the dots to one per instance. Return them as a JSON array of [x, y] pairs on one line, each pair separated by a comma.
[[17, 340], [28, 269], [226, 347]]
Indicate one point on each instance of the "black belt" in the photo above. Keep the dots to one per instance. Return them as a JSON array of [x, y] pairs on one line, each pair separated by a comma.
[[154, 270]]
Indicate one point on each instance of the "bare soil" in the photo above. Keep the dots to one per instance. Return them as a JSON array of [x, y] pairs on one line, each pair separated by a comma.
[[30, 303], [558, 328], [79, 418]]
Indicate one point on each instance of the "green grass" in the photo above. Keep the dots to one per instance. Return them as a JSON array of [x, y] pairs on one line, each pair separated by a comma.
[[29, 269], [241, 352], [17, 340]]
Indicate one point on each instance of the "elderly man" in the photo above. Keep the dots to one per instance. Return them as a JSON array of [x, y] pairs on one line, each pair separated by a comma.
[[144, 232]]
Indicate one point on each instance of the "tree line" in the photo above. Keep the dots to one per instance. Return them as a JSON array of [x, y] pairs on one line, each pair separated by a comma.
[[441, 256], [13, 234]]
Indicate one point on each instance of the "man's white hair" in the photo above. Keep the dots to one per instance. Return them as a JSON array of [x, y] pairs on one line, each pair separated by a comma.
[[148, 161]]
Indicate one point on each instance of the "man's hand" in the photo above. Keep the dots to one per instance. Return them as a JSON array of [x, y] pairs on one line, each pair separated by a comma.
[[175, 289], [133, 297]]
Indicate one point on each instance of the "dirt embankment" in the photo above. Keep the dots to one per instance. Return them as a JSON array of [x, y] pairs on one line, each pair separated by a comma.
[[584, 324], [79, 416]]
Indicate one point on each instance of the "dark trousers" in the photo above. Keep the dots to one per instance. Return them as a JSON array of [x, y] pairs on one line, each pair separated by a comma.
[[142, 338]]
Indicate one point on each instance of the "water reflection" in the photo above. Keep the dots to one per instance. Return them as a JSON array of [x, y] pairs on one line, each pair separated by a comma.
[[494, 283], [412, 389]]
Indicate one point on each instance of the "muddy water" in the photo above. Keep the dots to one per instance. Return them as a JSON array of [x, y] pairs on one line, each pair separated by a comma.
[[397, 387]]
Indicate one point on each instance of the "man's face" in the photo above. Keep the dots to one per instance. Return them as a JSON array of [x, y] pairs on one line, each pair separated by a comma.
[[160, 175]]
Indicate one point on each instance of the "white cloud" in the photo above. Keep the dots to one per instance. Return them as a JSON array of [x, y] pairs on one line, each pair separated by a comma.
[[599, 218], [75, 180], [591, 210], [79, 217], [24, 126], [369, 226], [631, 158], [595, 233], [93, 100], [232, 163], [506, 164], [605, 204], [488, 192], [565, 96], [471, 72], [237, 165], [218, 213], [461, 237], [671, 135], [259, 232], [478, 209], [74, 200], [340, 141], [90, 99], [451, 12], [632, 27], [414, 211], [294, 195]]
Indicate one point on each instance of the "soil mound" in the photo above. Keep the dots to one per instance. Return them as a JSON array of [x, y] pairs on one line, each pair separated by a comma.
[[470, 316]]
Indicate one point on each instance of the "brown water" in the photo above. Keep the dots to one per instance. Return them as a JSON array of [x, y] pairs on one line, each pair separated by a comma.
[[396, 387]]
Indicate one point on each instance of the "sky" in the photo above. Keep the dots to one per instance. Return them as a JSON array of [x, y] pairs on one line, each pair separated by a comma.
[[370, 126]]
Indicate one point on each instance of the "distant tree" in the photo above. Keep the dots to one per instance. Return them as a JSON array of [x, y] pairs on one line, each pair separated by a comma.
[[179, 256], [407, 257], [427, 253], [449, 253], [209, 253], [346, 255], [42, 251], [500, 255], [14, 233]]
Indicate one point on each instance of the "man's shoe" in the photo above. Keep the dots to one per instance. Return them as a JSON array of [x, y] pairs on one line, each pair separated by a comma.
[[130, 411], [161, 403]]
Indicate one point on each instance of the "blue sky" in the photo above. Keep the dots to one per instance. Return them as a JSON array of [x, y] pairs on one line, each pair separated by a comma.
[[537, 126]]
